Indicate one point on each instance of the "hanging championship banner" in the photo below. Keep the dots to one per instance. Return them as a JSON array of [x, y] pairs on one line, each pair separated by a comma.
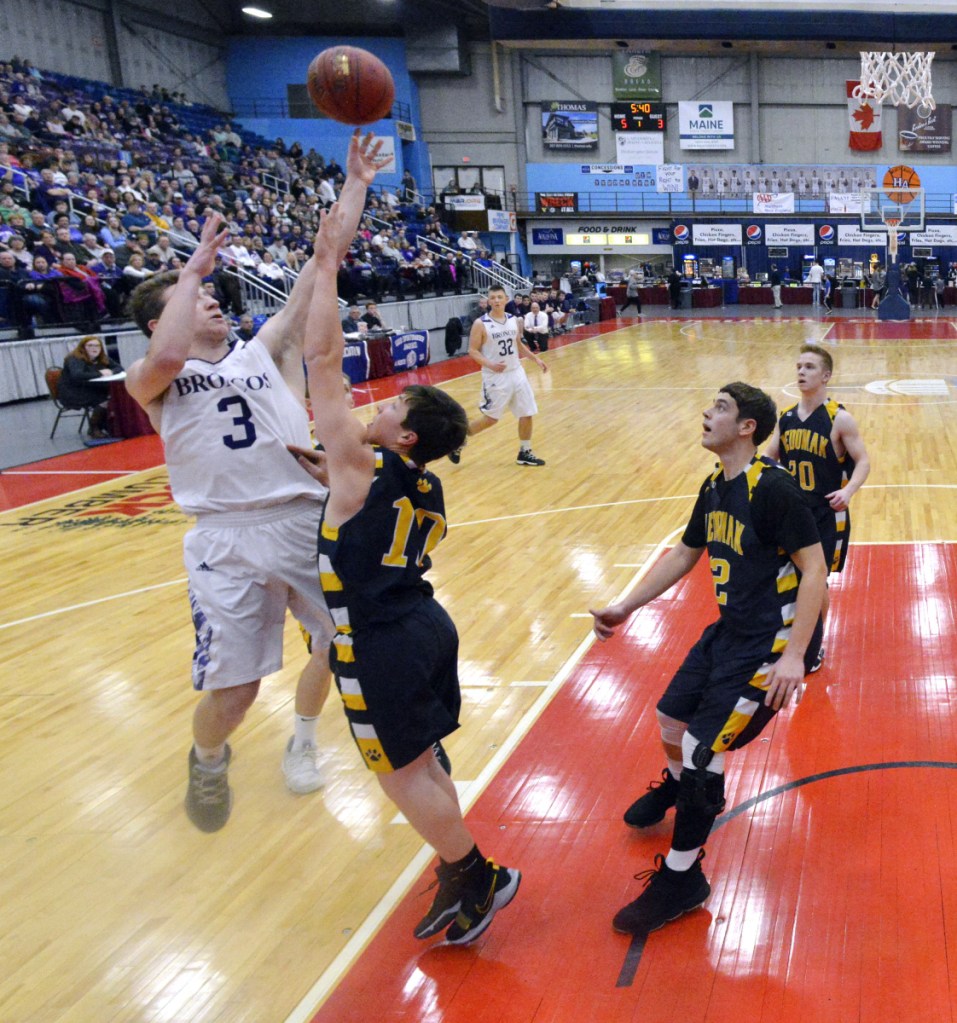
[[636, 75]]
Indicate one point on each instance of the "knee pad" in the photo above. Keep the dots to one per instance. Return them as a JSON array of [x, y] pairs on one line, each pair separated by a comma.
[[672, 730]]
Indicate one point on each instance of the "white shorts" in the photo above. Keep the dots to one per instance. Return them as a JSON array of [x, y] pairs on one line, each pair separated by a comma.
[[510, 390], [244, 570]]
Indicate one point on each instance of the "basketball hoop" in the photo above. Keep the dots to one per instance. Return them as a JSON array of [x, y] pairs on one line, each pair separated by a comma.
[[892, 225], [901, 79]]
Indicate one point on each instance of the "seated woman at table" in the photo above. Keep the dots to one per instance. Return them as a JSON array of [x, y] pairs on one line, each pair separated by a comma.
[[84, 364]]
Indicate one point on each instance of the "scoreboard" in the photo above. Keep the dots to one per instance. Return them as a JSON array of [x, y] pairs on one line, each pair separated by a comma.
[[638, 115]]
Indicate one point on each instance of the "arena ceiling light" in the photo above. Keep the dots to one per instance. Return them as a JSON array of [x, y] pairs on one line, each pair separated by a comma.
[[257, 12]]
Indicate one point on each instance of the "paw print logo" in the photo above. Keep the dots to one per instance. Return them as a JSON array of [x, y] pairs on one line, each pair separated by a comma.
[[424, 485], [374, 755], [726, 738]]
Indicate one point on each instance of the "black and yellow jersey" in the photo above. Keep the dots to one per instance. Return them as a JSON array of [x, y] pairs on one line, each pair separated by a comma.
[[807, 451], [372, 567], [750, 525]]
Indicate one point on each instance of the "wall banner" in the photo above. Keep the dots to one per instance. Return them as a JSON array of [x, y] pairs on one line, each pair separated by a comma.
[[717, 234], [706, 125], [636, 75], [569, 125]]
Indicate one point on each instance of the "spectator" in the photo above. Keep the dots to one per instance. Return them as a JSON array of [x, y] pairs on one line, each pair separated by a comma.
[[114, 284], [25, 300], [245, 331], [350, 325], [371, 317], [87, 362]]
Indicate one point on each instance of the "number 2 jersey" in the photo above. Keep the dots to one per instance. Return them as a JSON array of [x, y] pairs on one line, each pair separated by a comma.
[[225, 426], [372, 567], [750, 525], [807, 452]]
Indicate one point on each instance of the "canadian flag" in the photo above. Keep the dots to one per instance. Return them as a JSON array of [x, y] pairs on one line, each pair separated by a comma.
[[864, 117]]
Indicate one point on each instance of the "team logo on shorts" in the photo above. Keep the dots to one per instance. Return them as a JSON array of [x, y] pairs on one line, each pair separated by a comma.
[[682, 232], [754, 233]]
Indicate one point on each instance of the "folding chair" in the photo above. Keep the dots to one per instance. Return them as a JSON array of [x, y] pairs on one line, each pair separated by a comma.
[[52, 377]]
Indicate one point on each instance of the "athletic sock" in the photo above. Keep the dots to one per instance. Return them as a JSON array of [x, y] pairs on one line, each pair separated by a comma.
[[210, 757], [681, 860], [305, 731], [524, 446]]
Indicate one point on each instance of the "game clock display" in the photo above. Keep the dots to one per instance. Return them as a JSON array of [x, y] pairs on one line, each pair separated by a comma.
[[638, 115]]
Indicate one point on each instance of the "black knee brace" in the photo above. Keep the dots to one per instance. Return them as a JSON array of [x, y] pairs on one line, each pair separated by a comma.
[[700, 800]]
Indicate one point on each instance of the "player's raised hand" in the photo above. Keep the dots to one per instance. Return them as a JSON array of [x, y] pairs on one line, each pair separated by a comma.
[[364, 160], [214, 234]]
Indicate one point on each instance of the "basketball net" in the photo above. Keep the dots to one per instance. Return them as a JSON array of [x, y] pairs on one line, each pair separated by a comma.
[[892, 224], [901, 79]]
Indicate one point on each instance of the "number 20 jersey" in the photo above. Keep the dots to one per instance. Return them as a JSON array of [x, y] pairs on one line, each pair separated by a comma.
[[372, 567], [225, 426]]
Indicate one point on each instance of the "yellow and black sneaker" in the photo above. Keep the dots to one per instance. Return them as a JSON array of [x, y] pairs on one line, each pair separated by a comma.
[[478, 908], [446, 903]]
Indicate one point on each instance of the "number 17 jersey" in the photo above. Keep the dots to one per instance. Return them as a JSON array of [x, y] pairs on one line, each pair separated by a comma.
[[225, 426]]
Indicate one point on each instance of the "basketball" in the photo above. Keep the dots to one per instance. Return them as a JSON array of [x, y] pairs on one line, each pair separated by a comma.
[[350, 85]]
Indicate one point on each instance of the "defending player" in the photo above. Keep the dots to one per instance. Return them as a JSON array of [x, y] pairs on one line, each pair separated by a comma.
[[395, 650], [495, 343], [818, 442], [769, 580]]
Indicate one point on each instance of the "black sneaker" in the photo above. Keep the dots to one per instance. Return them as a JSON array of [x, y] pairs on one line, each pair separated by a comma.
[[818, 663], [655, 803], [455, 456], [528, 458], [478, 908], [668, 893], [443, 758], [209, 797], [445, 905]]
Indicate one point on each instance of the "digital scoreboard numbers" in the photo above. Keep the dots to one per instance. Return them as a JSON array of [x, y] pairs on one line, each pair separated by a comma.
[[638, 115]]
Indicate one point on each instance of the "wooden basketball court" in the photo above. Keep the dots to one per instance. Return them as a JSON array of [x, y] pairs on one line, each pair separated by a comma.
[[830, 869]]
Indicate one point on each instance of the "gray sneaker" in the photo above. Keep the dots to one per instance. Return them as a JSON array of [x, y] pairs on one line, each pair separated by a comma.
[[209, 798]]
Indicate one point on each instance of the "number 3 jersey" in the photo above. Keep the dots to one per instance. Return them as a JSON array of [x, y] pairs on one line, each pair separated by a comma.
[[225, 426], [750, 525], [372, 567]]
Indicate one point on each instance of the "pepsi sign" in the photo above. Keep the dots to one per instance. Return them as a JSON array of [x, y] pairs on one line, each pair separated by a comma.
[[682, 234], [754, 234], [826, 234]]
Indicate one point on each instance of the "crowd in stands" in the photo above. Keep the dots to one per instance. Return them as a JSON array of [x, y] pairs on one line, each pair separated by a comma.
[[102, 187]]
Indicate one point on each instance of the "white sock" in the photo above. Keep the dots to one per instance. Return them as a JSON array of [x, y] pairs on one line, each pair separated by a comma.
[[210, 756], [683, 860], [305, 733], [674, 768], [524, 446]]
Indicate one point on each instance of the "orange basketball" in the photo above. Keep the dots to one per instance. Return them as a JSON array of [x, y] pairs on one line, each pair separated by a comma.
[[902, 179], [350, 85]]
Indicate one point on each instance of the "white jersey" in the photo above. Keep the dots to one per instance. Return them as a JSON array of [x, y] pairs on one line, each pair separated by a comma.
[[225, 426], [501, 343]]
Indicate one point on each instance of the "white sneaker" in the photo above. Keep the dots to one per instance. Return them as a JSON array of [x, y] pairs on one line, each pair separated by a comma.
[[300, 768]]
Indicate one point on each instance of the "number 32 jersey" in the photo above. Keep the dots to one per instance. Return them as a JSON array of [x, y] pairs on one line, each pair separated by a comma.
[[501, 343], [225, 426]]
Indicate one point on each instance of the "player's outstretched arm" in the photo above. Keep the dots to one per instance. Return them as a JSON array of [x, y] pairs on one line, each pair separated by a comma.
[[526, 353], [349, 459], [283, 333], [675, 564], [172, 336]]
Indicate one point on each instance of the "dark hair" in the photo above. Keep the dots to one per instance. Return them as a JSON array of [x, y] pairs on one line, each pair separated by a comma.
[[496, 287], [437, 418], [822, 352], [149, 299], [754, 404]]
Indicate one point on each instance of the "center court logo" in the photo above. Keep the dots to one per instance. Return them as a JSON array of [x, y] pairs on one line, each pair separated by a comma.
[[682, 232], [826, 232], [754, 233]]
